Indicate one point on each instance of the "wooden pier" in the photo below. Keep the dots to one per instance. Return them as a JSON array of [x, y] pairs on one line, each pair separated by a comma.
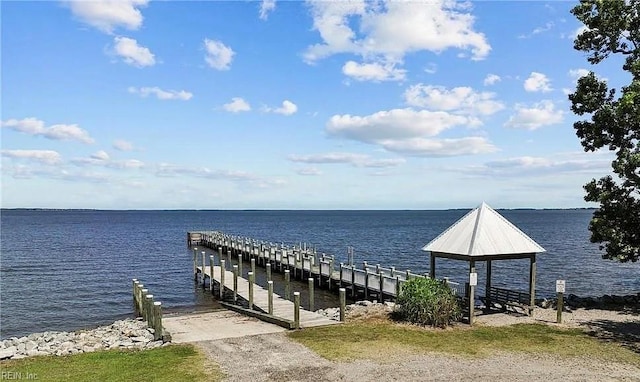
[[303, 262], [282, 311]]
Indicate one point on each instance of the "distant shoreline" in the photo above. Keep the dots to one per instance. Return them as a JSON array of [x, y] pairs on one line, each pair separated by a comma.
[[285, 210]]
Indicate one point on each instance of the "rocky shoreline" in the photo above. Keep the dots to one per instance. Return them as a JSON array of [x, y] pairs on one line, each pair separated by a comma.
[[122, 334], [610, 302]]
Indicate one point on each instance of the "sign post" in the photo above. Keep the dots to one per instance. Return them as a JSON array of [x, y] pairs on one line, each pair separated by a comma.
[[560, 284]]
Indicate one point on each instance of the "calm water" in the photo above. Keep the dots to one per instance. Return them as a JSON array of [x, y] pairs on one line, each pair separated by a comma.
[[64, 270]]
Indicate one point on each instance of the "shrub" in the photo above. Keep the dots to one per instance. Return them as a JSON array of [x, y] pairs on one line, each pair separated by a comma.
[[426, 301]]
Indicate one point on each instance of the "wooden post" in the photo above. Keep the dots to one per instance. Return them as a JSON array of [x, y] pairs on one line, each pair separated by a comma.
[[296, 310], [222, 272], [195, 263], [488, 285], [240, 260], [253, 266], [268, 268], [560, 306], [250, 290], [235, 284], [311, 294], [135, 302], [143, 306], [149, 306], [229, 256], [432, 265], [139, 299], [366, 281], [343, 302], [220, 252], [158, 330], [287, 284], [202, 267], [211, 262], [532, 283], [270, 288]]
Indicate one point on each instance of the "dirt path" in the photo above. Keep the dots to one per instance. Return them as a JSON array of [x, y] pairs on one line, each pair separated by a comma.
[[273, 357]]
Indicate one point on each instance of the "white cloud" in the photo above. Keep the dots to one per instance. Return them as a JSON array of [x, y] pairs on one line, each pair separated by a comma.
[[547, 27], [162, 94], [577, 73], [393, 124], [391, 29], [540, 114], [491, 79], [218, 55], [537, 82], [309, 171], [538, 166], [101, 155], [122, 145], [287, 108], [132, 53], [266, 7], [36, 127], [237, 105], [431, 68], [373, 71], [460, 99], [106, 15], [425, 147], [48, 157], [356, 160]]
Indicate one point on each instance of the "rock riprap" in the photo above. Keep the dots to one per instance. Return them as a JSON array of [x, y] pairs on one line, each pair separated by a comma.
[[122, 334]]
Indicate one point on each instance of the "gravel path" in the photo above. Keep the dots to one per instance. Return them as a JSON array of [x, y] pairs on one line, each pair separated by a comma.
[[273, 357]]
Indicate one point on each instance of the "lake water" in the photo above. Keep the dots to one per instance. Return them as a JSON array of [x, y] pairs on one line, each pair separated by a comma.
[[65, 270]]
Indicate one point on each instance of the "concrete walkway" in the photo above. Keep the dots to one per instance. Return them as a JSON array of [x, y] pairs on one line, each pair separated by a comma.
[[214, 326]]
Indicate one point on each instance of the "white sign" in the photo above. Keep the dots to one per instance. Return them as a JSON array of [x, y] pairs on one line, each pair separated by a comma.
[[473, 279], [559, 286]]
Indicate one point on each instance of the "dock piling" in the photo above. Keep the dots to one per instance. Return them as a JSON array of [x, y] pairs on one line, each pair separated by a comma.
[[251, 280], [311, 294], [222, 272], [296, 310], [343, 303], [287, 284], [270, 283], [253, 266], [235, 284], [158, 330], [268, 269], [211, 261]]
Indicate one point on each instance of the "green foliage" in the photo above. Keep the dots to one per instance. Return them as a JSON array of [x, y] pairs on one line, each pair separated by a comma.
[[171, 363], [428, 301], [612, 27]]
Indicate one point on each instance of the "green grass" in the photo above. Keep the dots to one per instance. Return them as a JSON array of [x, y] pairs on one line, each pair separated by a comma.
[[363, 340], [170, 363]]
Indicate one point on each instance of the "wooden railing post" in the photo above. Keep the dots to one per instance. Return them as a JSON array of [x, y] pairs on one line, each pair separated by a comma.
[[270, 288], [235, 284], [158, 330], [222, 272], [251, 290], [296, 310], [343, 302], [211, 273], [287, 284], [311, 294]]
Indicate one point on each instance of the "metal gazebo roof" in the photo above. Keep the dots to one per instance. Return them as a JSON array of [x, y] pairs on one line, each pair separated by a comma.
[[483, 234]]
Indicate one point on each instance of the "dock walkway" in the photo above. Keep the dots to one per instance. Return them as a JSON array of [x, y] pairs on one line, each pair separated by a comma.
[[282, 308]]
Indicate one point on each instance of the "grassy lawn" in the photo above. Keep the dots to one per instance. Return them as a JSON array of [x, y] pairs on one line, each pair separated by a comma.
[[363, 340], [171, 363]]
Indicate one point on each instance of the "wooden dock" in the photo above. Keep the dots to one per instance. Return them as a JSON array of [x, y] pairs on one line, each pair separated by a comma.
[[367, 282], [283, 310]]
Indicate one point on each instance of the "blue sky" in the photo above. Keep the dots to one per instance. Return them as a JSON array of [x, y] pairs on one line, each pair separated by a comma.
[[292, 105]]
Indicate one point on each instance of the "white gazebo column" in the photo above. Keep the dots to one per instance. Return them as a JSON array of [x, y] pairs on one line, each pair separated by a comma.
[[472, 292]]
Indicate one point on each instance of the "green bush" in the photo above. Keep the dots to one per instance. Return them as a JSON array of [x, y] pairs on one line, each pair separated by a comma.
[[426, 301]]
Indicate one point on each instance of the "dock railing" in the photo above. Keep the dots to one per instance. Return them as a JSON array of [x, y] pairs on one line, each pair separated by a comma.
[[303, 261]]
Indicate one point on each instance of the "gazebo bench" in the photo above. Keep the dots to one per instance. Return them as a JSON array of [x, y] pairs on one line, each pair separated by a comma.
[[507, 297]]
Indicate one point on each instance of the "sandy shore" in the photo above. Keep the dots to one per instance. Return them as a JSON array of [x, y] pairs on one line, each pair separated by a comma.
[[273, 357]]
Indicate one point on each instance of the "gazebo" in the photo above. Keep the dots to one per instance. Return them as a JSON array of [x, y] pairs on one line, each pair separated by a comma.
[[485, 235]]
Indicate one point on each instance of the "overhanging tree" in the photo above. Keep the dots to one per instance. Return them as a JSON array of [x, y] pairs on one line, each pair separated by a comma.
[[613, 121]]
